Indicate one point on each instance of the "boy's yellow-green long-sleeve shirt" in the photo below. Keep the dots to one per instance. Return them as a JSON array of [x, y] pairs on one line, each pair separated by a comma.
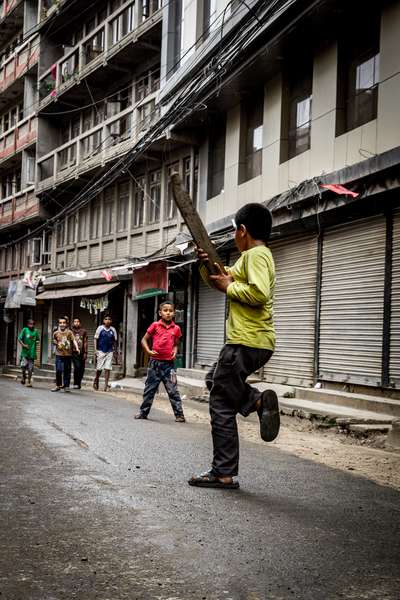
[[250, 318]]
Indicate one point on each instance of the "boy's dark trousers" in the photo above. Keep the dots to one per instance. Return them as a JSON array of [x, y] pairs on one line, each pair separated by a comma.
[[229, 395], [79, 368], [161, 370], [63, 371]]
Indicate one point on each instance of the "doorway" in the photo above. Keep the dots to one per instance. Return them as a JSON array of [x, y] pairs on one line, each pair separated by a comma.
[[146, 316]]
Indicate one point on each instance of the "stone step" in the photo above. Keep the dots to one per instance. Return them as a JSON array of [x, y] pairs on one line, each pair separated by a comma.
[[366, 402], [334, 413]]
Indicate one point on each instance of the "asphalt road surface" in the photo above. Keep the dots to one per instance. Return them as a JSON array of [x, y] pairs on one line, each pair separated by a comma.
[[95, 505]]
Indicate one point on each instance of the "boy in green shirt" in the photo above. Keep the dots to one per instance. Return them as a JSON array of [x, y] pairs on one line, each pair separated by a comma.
[[249, 286], [28, 339]]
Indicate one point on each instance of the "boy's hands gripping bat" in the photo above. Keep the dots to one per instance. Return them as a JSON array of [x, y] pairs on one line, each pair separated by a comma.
[[195, 225]]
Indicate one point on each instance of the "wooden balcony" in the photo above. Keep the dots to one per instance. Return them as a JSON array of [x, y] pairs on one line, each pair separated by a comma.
[[22, 207], [11, 19], [98, 146], [19, 63], [15, 140], [98, 54]]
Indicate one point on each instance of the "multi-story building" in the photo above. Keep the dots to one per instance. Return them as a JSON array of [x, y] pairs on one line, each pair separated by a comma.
[[257, 101]]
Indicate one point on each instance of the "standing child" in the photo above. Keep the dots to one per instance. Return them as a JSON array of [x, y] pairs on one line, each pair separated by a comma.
[[64, 342], [28, 339], [105, 343], [249, 286], [164, 335], [79, 358]]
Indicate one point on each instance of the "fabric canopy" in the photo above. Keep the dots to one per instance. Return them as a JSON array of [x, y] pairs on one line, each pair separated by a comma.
[[67, 292]]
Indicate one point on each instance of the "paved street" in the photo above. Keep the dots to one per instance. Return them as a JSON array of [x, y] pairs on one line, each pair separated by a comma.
[[96, 505]]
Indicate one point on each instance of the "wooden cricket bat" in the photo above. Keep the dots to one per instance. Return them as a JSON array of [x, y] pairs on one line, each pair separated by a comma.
[[194, 223]]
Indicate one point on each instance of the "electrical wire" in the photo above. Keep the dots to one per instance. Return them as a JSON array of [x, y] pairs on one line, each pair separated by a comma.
[[183, 105]]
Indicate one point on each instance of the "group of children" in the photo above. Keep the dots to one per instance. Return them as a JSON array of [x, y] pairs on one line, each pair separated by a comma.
[[71, 348], [250, 342]]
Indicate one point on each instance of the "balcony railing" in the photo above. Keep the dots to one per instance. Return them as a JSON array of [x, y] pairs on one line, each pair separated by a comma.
[[19, 63], [19, 207], [22, 135], [98, 145], [119, 30], [7, 7]]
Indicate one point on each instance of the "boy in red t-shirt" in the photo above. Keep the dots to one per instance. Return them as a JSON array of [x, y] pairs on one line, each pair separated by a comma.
[[164, 335]]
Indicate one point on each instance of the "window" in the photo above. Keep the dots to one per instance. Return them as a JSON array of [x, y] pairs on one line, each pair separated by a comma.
[[92, 144], [216, 158], [30, 170], [123, 206], [94, 47], [122, 25], [60, 235], [187, 169], [82, 225], [251, 138], [209, 17], [94, 221], [108, 212], [195, 178], [71, 230], [149, 7], [358, 78], [170, 206], [138, 202], [176, 16], [155, 197], [145, 115], [296, 111], [46, 248], [36, 251]]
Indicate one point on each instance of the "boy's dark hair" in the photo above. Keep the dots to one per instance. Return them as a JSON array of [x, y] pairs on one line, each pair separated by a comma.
[[257, 219], [76, 319], [166, 302], [107, 316], [30, 321], [63, 319]]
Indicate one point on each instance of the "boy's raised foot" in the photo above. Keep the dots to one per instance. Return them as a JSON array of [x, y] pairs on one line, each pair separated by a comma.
[[56, 389], [180, 419], [268, 413]]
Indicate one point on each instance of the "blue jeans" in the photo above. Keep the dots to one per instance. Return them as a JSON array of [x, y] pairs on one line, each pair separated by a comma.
[[161, 370], [63, 371]]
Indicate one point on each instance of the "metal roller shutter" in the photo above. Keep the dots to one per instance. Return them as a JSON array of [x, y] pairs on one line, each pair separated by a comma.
[[294, 311], [353, 266], [394, 365], [210, 325]]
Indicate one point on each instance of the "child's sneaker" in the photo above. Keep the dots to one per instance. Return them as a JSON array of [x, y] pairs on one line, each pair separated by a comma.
[[180, 419], [56, 389]]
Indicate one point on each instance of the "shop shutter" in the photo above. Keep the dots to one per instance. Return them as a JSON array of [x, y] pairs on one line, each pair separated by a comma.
[[353, 266], [210, 325], [394, 365], [294, 311]]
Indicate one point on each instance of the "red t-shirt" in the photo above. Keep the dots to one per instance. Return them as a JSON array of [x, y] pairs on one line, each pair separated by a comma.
[[165, 337]]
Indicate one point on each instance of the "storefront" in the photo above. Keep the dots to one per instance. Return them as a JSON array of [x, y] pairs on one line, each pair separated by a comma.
[[89, 303]]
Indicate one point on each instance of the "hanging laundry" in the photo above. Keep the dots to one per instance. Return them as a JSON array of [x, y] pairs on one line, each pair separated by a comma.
[[107, 275], [339, 189]]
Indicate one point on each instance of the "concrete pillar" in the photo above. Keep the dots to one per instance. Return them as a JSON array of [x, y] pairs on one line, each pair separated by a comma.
[[131, 336]]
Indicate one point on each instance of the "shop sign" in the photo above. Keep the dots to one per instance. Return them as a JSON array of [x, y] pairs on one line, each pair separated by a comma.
[[151, 280]]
